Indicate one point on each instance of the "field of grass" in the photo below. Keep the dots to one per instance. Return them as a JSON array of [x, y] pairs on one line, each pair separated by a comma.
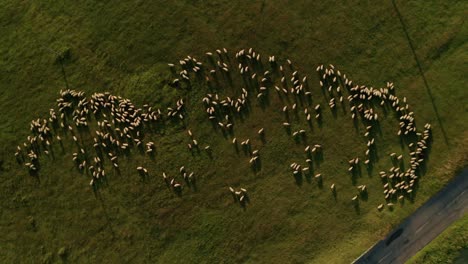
[[123, 47], [449, 247]]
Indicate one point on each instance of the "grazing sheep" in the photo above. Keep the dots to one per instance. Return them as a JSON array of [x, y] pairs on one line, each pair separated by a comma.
[[261, 132]]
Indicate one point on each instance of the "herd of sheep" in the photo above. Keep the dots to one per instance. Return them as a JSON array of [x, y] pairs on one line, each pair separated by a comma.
[[114, 125]]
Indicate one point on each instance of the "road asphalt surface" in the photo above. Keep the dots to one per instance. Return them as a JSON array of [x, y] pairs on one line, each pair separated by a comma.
[[425, 224]]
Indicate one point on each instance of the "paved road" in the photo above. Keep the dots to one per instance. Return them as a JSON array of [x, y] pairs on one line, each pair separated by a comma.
[[425, 224]]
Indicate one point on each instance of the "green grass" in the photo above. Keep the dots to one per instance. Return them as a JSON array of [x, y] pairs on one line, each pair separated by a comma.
[[123, 48], [448, 247]]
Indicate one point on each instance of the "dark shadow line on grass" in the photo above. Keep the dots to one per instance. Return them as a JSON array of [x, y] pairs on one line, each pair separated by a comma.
[[60, 60], [104, 209], [410, 43], [63, 73]]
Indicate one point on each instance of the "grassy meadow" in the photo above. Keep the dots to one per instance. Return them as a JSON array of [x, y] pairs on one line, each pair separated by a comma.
[[123, 47]]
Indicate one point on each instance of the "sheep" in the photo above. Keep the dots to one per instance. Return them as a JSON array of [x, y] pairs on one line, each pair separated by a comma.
[[177, 187], [253, 160], [362, 189], [242, 199], [261, 132], [293, 165], [318, 147]]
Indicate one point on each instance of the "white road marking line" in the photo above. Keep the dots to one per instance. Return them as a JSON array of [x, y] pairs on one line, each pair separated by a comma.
[[454, 200], [385, 257], [421, 227]]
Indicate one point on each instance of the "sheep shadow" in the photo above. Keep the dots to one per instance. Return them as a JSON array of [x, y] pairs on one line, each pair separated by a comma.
[[369, 169], [335, 195], [298, 178], [364, 195], [357, 208], [320, 183], [256, 166], [308, 177]]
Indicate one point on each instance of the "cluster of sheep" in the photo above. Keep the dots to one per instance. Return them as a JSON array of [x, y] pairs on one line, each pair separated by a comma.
[[178, 111], [258, 80], [119, 126], [308, 113], [176, 186], [218, 109], [397, 184], [312, 154], [188, 65], [40, 141], [240, 196], [193, 144], [299, 88], [254, 161], [222, 112], [362, 194]]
